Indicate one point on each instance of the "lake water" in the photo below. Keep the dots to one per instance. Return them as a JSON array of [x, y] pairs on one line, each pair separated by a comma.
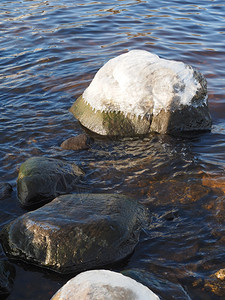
[[49, 53]]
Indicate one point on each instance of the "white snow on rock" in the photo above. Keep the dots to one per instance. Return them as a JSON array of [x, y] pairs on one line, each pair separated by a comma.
[[104, 284], [140, 83]]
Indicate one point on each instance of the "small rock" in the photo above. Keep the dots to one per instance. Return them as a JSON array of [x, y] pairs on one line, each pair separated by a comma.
[[76, 232], [171, 215], [5, 190], [104, 284], [41, 179], [79, 142]]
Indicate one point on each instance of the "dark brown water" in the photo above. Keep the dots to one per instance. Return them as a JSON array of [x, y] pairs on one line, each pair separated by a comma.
[[49, 52]]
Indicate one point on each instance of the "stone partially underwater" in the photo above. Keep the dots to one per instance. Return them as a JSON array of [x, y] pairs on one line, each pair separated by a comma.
[[137, 93], [76, 232], [104, 284], [42, 179]]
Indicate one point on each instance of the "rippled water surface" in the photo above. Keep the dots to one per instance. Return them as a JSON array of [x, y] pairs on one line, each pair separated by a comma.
[[49, 53]]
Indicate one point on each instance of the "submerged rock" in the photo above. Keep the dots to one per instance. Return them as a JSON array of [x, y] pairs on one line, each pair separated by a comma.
[[7, 274], [42, 179], [214, 181], [79, 142], [216, 283], [138, 92], [76, 232], [104, 284]]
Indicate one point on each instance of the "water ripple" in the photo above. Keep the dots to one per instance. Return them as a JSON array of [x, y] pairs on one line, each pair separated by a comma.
[[49, 53]]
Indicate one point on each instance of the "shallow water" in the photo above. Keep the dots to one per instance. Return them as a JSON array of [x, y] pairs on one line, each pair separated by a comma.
[[49, 53]]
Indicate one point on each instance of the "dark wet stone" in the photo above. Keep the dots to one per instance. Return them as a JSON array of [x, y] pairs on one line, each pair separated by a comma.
[[79, 142], [76, 232], [7, 274], [185, 119], [5, 190], [41, 179], [171, 215]]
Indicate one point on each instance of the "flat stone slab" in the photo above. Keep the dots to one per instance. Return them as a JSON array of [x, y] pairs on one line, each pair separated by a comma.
[[76, 232]]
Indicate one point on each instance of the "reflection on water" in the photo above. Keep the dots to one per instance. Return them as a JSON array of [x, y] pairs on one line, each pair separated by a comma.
[[49, 53]]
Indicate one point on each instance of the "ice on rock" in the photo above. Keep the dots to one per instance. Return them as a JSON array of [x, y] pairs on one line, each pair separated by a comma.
[[139, 82], [138, 92]]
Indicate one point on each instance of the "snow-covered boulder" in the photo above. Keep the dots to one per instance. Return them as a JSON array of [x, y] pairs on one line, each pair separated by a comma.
[[138, 92], [104, 284]]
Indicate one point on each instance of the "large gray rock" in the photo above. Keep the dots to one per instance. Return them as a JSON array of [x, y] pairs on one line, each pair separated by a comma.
[[76, 232], [104, 284], [42, 178], [138, 92]]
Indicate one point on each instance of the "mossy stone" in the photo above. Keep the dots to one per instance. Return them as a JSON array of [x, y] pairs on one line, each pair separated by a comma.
[[41, 179], [109, 123]]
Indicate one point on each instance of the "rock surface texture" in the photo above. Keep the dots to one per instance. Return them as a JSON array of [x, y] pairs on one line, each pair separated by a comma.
[[138, 92], [104, 284], [42, 179], [76, 232], [79, 142]]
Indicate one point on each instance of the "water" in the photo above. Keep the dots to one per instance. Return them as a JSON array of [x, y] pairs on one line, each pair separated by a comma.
[[49, 52]]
